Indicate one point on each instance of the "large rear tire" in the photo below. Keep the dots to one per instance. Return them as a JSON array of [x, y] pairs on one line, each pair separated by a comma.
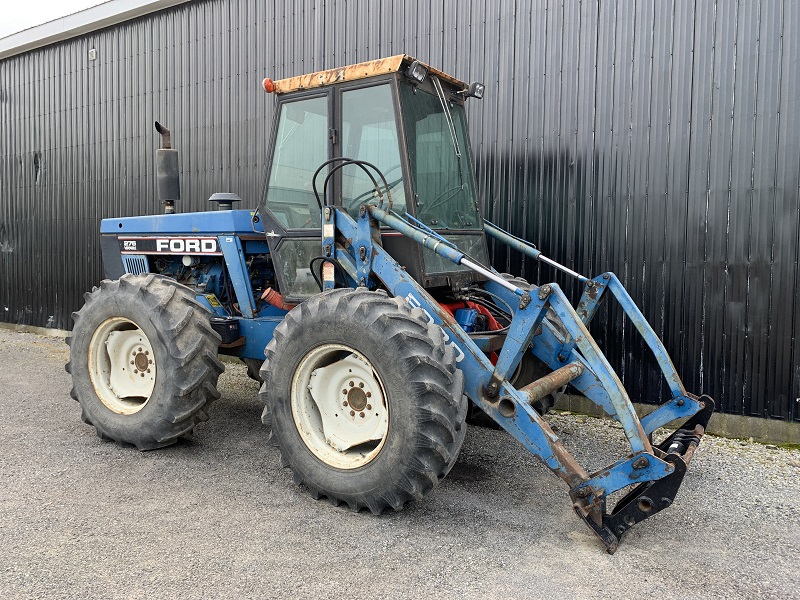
[[363, 399], [143, 359]]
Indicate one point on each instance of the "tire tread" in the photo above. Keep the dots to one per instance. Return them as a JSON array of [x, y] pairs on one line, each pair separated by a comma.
[[190, 365], [436, 382]]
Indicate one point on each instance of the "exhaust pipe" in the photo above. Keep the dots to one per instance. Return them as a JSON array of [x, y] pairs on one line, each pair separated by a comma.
[[167, 174]]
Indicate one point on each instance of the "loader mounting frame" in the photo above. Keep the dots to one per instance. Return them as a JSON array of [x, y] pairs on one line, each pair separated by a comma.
[[655, 472]]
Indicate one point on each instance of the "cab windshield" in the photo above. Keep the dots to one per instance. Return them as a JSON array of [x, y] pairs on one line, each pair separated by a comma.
[[439, 160]]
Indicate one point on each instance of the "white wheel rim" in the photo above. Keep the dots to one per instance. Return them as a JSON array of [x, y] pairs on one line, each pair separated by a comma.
[[122, 366], [339, 406]]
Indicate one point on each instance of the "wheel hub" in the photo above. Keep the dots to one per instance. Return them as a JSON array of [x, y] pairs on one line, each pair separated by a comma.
[[357, 399], [141, 361], [339, 406], [122, 366]]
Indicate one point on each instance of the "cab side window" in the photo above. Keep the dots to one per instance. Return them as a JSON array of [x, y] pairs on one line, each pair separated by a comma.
[[369, 132], [301, 146]]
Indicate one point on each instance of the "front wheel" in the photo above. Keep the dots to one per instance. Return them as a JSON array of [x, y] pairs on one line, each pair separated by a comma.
[[363, 398]]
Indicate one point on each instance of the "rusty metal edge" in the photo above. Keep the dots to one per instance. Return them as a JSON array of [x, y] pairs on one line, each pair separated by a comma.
[[372, 68]]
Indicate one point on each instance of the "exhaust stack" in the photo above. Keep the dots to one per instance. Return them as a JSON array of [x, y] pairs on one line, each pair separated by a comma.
[[167, 174]]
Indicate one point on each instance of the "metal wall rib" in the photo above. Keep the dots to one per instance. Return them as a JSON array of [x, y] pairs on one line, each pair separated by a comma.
[[658, 139]]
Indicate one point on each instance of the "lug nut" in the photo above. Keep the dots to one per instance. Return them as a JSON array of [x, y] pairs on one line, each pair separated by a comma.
[[148, 370], [344, 392], [369, 394], [142, 374], [361, 385], [147, 352], [369, 407], [352, 384], [135, 371], [352, 413], [133, 363], [344, 403], [362, 415]]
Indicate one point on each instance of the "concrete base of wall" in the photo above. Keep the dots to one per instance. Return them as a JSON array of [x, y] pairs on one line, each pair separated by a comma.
[[57, 333], [769, 431]]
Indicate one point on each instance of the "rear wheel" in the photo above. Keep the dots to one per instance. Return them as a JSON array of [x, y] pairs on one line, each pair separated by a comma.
[[143, 359], [363, 398]]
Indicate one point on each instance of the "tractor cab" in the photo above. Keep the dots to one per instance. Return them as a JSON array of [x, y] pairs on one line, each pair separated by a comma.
[[405, 118]]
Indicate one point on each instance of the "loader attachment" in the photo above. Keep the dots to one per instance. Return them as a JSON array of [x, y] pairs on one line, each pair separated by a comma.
[[645, 499], [544, 322]]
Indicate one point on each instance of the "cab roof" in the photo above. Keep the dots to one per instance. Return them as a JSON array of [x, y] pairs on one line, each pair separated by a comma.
[[372, 68]]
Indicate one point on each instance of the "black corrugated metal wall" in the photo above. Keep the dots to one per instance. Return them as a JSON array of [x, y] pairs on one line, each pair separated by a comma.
[[657, 139]]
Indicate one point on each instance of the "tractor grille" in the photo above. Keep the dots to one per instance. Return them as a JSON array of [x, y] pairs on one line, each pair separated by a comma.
[[135, 264]]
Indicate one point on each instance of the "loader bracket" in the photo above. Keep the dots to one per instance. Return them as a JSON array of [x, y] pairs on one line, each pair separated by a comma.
[[641, 502], [650, 497]]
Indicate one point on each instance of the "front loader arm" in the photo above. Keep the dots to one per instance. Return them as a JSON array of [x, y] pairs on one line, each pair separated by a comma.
[[652, 470]]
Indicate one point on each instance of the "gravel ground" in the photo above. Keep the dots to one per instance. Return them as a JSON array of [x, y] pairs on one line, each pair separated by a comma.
[[217, 517]]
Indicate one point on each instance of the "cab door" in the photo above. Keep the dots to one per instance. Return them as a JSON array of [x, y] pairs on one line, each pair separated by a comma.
[[369, 129], [302, 141]]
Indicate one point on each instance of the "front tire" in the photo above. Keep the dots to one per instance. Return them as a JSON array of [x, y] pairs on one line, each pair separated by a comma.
[[363, 399], [143, 359]]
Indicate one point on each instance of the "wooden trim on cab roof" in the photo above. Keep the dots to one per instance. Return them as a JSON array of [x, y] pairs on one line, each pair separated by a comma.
[[371, 68]]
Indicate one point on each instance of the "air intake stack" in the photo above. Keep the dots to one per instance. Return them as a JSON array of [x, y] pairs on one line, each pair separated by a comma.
[[167, 175]]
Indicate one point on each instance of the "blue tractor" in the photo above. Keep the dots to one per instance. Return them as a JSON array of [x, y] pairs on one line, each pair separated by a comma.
[[364, 280]]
